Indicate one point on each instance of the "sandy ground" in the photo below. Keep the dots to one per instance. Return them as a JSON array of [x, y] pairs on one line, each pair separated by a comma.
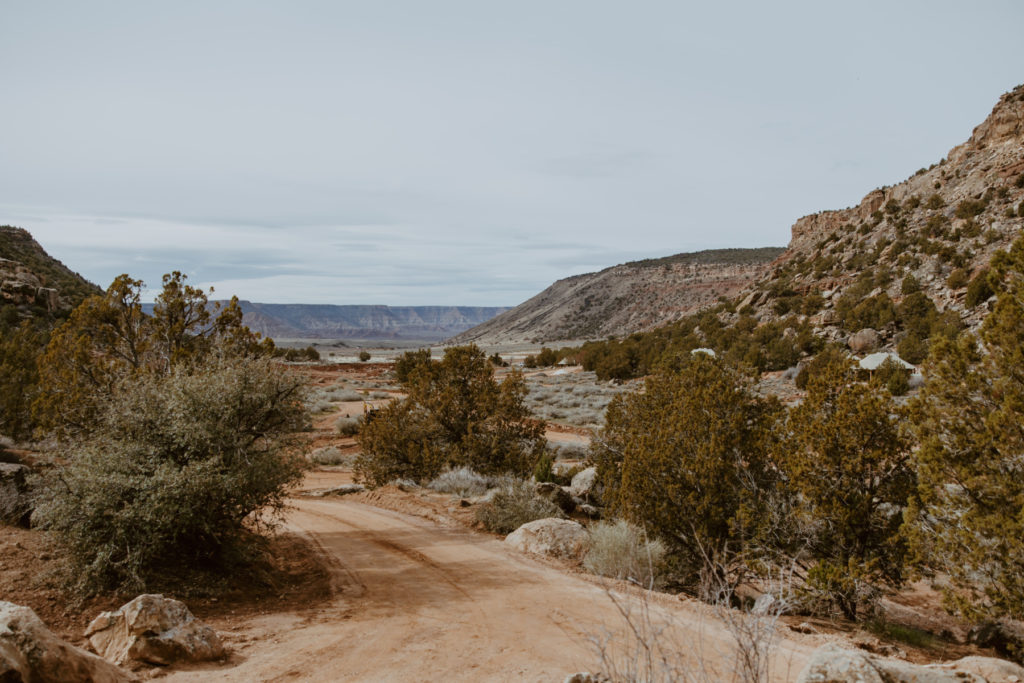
[[416, 601]]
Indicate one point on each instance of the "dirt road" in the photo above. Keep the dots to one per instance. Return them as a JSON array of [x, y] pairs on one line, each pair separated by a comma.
[[420, 602]]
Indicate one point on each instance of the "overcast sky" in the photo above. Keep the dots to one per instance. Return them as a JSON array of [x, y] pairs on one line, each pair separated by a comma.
[[466, 152]]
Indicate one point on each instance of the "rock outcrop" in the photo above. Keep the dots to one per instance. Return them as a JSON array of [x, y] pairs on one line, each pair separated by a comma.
[[154, 630], [584, 483], [15, 495], [951, 216], [31, 652], [834, 664], [553, 537]]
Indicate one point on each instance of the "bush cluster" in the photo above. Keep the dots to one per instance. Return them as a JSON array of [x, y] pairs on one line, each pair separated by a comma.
[[514, 505], [455, 414]]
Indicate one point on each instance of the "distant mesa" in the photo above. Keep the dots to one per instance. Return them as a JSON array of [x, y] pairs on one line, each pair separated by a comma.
[[325, 321]]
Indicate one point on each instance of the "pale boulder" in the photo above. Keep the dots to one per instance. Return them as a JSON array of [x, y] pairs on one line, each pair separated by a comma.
[[31, 652], [583, 483], [864, 341], [561, 538], [155, 630], [832, 663]]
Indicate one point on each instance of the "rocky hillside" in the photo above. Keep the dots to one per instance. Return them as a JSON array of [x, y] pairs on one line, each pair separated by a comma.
[[627, 298], [933, 233], [32, 281], [310, 321]]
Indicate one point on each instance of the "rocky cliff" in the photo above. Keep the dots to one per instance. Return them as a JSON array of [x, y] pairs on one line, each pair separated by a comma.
[[627, 298], [32, 280], [940, 226]]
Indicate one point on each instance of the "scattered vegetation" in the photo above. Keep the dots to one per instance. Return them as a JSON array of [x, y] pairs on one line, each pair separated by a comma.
[[514, 505]]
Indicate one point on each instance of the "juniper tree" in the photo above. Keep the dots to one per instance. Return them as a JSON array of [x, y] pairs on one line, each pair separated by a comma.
[[968, 517]]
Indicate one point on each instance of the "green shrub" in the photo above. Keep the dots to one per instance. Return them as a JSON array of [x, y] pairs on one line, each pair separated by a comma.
[[957, 279], [969, 208], [513, 506], [979, 289], [454, 414], [178, 470], [893, 377], [913, 348], [935, 201], [686, 460], [620, 550], [364, 356], [544, 471]]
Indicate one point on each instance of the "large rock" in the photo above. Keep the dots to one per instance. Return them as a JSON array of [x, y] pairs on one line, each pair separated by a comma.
[[30, 652], [584, 483], [560, 538], [864, 341], [15, 496], [155, 630], [557, 495], [834, 664]]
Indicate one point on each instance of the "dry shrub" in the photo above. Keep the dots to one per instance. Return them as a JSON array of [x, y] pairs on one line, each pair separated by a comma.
[[513, 505], [328, 456], [461, 481], [349, 425], [620, 550]]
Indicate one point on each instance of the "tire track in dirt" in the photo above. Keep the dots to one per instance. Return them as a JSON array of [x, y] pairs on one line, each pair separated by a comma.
[[418, 601]]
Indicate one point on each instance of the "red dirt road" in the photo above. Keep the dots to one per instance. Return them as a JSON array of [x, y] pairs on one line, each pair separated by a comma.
[[419, 602]]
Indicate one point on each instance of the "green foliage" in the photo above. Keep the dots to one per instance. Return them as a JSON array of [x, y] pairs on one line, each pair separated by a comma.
[[847, 464], [893, 376], [979, 289], [20, 347], [455, 414], [686, 460], [831, 355], [934, 202], [178, 469], [547, 357], [966, 520], [544, 470], [514, 505], [969, 208], [958, 279], [364, 356], [108, 338]]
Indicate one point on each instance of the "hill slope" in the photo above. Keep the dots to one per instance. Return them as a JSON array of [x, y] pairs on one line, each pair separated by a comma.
[[32, 279], [627, 298], [940, 226]]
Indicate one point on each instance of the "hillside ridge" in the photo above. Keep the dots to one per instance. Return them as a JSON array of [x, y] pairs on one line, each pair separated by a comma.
[[626, 298]]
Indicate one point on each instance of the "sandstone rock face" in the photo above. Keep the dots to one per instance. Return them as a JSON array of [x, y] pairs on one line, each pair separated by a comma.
[[559, 538], [864, 341], [583, 483], [834, 664], [31, 652], [15, 496], [155, 630]]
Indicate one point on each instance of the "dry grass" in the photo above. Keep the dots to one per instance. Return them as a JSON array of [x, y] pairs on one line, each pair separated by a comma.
[[461, 482], [574, 398], [514, 505], [620, 550]]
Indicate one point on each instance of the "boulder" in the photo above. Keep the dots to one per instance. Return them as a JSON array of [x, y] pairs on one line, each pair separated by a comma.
[[832, 663], [155, 630], [561, 538], [15, 496], [557, 495], [583, 483], [31, 652], [864, 341]]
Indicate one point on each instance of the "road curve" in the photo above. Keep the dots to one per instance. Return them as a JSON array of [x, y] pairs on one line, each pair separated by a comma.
[[420, 602]]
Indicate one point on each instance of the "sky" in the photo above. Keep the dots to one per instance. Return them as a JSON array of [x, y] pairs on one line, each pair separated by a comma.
[[404, 152]]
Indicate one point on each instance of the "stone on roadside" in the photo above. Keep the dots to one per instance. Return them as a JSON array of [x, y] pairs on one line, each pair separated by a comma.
[[31, 652], [155, 630], [561, 538]]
